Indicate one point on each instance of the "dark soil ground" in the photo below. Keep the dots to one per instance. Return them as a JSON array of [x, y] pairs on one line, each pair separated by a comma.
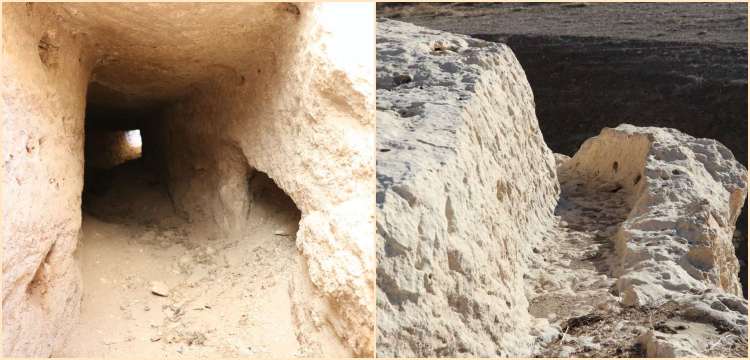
[[709, 23]]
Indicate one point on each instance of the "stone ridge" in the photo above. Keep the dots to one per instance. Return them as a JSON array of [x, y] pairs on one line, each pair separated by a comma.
[[685, 195], [465, 186]]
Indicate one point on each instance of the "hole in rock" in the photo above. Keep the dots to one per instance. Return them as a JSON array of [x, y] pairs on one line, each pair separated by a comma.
[[134, 240], [47, 50], [161, 273], [155, 145]]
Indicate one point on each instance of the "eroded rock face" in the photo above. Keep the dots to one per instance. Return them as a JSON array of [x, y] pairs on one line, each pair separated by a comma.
[[464, 181], [681, 66], [286, 107], [466, 189], [596, 65], [217, 137], [44, 78], [685, 195]]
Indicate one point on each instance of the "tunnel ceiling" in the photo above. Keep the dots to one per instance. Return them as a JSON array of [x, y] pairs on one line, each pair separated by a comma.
[[153, 53]]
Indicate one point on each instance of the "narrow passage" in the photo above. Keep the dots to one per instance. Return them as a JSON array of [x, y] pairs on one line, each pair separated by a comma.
[[224, 297]]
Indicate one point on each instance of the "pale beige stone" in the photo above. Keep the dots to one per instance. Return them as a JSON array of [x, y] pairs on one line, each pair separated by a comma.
[[159, 288], [472, 224], [464, 182], [684, 195], [265, 87]]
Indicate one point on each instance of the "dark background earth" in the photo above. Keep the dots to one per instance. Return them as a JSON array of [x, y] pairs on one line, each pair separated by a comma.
[[595, 65]]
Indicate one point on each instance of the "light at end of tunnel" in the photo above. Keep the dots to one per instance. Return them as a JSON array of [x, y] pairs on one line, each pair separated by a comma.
[[133, 137]]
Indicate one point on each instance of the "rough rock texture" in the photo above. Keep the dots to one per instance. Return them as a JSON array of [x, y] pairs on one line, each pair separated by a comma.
[[44, 78], [636, 259], [218, 100], [464, 181], [685, 195], [676, 65]]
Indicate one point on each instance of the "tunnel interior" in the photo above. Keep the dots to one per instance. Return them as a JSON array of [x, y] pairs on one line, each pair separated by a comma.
[[191, 245], [114, 160], [152, 129], [125, 177], [161, 188], [134, 236]]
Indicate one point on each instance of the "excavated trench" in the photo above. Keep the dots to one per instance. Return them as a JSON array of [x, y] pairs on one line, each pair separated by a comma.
[[587, 221], [575, 278], [582, 281], [583, 84], [591, 66]]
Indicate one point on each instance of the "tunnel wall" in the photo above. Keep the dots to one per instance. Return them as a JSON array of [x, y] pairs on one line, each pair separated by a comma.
[[302, 121], [43, 90]]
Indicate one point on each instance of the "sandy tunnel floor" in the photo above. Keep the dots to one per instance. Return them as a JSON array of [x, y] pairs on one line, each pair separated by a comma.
[[242, 296]]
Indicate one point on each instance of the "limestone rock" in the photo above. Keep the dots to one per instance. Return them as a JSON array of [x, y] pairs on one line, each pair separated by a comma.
[[466, 189], [269, 87], [42, 120], [159, 288], [464, 181], [633, 65], [685, 195]]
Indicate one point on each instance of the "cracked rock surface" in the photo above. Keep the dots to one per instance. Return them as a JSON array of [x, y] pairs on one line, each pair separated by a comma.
[[625, 249], [464, 178], [645, 265]]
